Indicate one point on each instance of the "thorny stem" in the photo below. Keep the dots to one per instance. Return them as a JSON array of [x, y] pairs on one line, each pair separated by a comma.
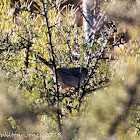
[[53, 62]]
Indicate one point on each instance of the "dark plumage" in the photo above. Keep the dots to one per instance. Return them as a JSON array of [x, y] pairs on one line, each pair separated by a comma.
[[68, 77]]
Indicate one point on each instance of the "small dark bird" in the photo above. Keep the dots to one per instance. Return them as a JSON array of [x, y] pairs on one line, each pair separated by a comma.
[[67, 77]]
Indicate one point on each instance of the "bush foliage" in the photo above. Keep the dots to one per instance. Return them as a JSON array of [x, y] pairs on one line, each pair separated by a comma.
[[106, 105]]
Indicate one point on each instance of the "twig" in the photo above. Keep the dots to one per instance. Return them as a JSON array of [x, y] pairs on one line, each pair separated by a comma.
[[27, 54], [98, 88], [23, 79]]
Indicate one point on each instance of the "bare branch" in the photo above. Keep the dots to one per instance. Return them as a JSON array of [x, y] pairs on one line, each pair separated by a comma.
[[53, 61]]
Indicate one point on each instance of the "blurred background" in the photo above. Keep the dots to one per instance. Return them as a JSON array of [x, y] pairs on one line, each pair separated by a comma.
[[107, 107]]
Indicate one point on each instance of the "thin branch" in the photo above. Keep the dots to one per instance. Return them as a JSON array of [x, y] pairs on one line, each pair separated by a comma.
[[98, 88], [23, 79], [53, 61]]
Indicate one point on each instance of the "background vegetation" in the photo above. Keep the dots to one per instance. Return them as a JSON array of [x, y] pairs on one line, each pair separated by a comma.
[[105, 106]]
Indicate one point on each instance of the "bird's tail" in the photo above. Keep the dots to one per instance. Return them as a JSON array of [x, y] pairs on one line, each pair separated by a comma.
[[44, 61]]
